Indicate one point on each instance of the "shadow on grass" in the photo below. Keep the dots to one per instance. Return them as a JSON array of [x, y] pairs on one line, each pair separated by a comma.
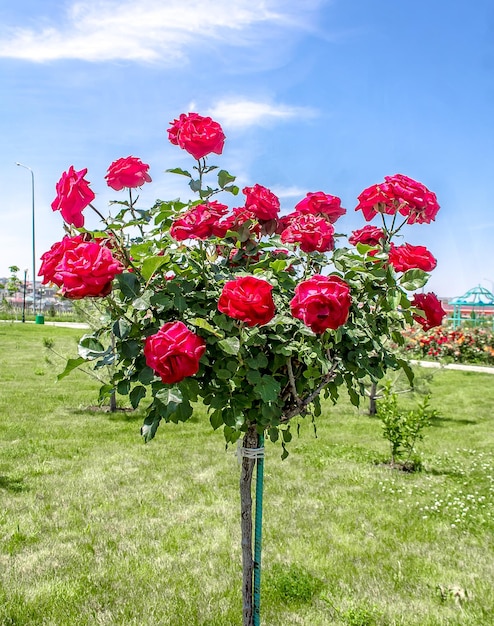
[[14, 485], [437, 421], [435, 471], [123, 414]]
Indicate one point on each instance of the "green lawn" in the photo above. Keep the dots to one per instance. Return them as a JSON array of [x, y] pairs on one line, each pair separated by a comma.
[[97, 528]]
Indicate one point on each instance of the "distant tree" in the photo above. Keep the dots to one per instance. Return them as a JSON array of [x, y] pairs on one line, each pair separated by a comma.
[[14, 283]]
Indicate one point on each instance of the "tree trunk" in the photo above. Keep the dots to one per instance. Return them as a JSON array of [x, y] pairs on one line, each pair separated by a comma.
[[250, 441], [372, 399], [113, 401]]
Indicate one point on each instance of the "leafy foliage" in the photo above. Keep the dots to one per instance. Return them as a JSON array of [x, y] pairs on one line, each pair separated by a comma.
[[262, 375], [403, 428]]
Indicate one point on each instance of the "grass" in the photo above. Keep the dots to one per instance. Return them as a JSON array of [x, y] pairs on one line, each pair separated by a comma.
[[98, 529]]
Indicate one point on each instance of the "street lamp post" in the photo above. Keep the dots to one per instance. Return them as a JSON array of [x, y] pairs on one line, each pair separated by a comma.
[[24, 298], [34, 238]]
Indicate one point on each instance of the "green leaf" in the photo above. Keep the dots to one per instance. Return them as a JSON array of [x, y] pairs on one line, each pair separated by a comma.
[[182, 413], [364, 248], [121, 328], [254, 377], [273, 434], [354, 397], [91, 348], [151, 265], [268, 389], [163, 300], [130, 349], [199, 322], [143, 303], [146, 375], [230, 345], [150, 426], [136, 395], [278, 266], [178, 170], [404, 301], [394, 298], [225, 178], [129, 285], [243, 231], [109, 358], [123, 387], [104, 392], [169, 398], [414, 279], [195, 185], [405, 366], [258, 362], [232, 435], [223, 374], [180, 302], [71, 365], [216, 419]]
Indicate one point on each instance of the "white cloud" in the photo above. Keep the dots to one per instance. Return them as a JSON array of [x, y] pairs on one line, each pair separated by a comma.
[[244, 113], [151, 30], [289, 192]]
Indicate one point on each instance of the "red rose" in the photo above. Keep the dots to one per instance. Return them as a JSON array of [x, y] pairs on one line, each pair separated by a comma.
[[51, 259], [235, 222], [199, 222], [368, 235], [416, 201], [127, 172], [432, 308], [261, 202], [321, 302], [283, 222], [197, 135], [80, 268], [399, 193], [311, 232], [377, 199], [247, 299], [174, 352], [73, 196], [407, 257], [321, 203]]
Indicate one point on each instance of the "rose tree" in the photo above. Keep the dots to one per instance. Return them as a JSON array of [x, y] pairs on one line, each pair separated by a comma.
[[256, 313]]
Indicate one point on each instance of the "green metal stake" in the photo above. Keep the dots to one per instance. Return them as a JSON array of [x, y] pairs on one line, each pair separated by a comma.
[[258, 536]]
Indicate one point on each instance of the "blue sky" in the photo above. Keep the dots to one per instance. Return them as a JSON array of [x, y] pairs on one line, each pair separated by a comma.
[[313, 96]]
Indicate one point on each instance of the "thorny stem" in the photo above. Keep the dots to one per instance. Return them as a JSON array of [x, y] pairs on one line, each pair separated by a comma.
[[132, 210], [79, 367], [291, 378], [391, 231], [118, 239], [203, 263], [201, 166], [101, 216], [307, 267], [304, 402]]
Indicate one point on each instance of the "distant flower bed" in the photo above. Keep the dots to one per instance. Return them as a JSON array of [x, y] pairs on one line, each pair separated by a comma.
[[462, 345]]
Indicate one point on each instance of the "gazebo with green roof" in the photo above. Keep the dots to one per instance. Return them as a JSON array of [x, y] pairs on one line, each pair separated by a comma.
[[477, 302]]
